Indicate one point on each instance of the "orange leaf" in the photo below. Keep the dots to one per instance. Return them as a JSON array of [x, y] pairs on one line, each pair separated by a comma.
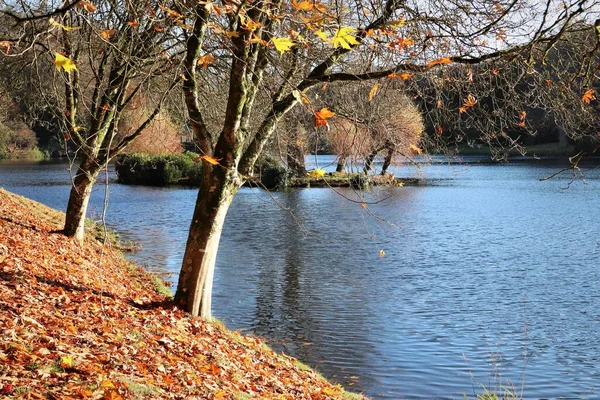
[[445, 60], [6, 46], [133, 24], [589, 96], [439, 130], [206, 60], [322, 116], [404, 76], [107, 34], [87, 6], [381, 253], [469, 102], [208, 159], [373, 91], [112, 395]]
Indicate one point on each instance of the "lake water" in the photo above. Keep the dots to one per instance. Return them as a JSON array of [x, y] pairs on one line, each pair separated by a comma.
[[490, 275]]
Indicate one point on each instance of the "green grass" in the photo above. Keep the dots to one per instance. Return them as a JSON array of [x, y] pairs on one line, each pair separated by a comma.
[[161, 287], [140, 390]]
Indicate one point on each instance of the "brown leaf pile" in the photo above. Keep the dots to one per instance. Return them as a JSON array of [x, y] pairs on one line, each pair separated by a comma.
[[83, 323]]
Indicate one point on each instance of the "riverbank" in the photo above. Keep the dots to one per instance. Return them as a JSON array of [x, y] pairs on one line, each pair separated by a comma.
[[82, 322]]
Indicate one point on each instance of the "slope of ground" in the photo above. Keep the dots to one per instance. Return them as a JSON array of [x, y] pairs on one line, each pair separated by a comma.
[[82, 322]]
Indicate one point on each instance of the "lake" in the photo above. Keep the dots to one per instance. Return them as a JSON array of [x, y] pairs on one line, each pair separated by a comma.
[[490, 275]]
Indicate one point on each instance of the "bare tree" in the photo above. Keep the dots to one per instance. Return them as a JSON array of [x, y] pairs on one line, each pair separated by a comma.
[[106, 55]]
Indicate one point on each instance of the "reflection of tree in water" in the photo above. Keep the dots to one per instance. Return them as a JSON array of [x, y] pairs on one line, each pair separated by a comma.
[[293, 312]]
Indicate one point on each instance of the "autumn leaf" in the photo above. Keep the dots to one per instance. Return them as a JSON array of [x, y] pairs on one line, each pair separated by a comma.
[[303, 5], [63, 62], [343, 37], [317, 173], [63, 27], [208, 159], [206, 60], [66, 361], [6, 45], [469, 102], [87, 6], [107, 34], [589, 96], [397, 24], [522, 118], [439, 61], [112, 395], [416, 149], [373, 91], [324, 36], [404, 76], [107, 384], [133, 24], [322, 116], [282, 44], [381, 253]]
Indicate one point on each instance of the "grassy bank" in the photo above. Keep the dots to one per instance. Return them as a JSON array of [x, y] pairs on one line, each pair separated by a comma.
[[82, 322]]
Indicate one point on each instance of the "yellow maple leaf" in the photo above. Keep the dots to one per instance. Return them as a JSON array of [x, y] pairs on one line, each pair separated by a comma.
[[343, 37], [416, 149], [282, 44], [373, 91], [63, 27], [107, 384], [397, 24], [317, 173], [324, 36], [63, 62], [66, 361]]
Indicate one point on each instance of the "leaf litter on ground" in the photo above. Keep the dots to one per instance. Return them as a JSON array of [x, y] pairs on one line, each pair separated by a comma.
[[81, 322]]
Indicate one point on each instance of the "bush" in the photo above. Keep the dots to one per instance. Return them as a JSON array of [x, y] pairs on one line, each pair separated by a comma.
[[158, 170], [273, 175]]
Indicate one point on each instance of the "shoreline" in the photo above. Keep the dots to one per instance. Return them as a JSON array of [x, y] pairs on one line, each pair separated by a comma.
[[84, 322]]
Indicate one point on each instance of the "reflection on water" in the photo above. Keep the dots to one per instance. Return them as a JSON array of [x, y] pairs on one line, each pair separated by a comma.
[[489, 275]]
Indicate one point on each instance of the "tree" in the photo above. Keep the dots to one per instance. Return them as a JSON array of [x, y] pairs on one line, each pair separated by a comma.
[[106, 54], [370, 120], [300, 45]]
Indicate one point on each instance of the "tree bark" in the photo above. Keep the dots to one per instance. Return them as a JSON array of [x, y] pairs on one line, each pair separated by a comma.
[[387, 161], [194, 289], [369, 161], [79, 199], [341, 164]]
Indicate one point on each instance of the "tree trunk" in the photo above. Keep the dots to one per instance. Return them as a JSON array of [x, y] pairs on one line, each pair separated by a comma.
[[79, 199], [341, 164], [369, 161], [194, 290], [387, 161]]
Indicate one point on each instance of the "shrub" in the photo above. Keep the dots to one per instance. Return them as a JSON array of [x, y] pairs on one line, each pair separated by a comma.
[[273, 175], [158, 170]]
